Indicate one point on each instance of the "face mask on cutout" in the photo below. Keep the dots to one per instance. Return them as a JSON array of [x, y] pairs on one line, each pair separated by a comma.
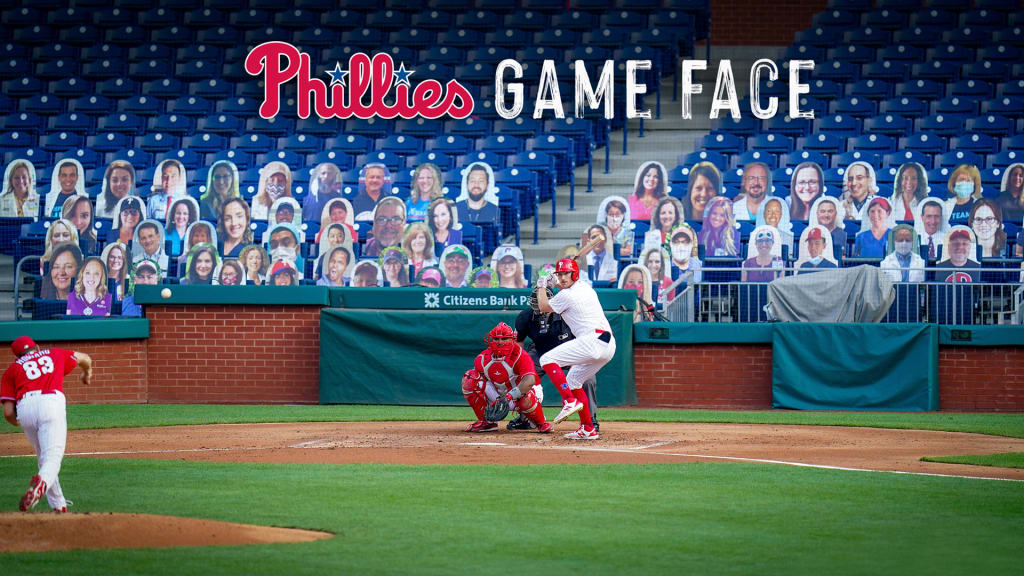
[[614, 221], [903, 248], [964, 189], [282, 253], [681, 253], [815, 261]]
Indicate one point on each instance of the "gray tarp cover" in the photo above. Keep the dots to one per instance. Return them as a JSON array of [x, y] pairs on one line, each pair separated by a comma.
[[861, 294]]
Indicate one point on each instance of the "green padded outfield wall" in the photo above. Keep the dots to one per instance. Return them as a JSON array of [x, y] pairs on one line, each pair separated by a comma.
[[855, 366], [418, 357]]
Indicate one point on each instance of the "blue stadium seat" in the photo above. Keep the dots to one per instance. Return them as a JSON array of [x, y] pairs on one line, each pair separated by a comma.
[[462, 38], [580, 21], [205, 143], [561, 148], [433, 20], [1002, 52], [905, 106], [371, 128], [868, 88], [868, 36], [88, 158], [799, 51], [920, 88], [904, 156], [1005, 158], [300, 143], [400, 145], [225, 36], [971, 88], [157, 142], [877, 143], [888, 124], [856, 106], [925, 142], [771, 143], [340, 159], [316, 126], [1009, 107], [388, 20], [254, 143], [817, 36], [955, 158], [414, 38], [353, 144], [901, 53], [847, 158], [315, 36], [821, 142], [242, 160], [854, 53], [783, 125], [940, 124], [393, 161], [296, 19], [979, 143], [693, 158], [791, 160], [176, 124], [121, 122], [278, 126], [447, 55], [950, 52], [478, 20], [138, 158], [195, 106], [937, 70], [967, 36], [226, 124], [108, 142], [722, 142], [443, 161], [492, 159], [291, 159], [740, 160], [24, 122], [838, 125], [61, 142], [886, 71], [363, 38], [43, 105], [191, 159], [747, 125], [990, 124], [468, 127]]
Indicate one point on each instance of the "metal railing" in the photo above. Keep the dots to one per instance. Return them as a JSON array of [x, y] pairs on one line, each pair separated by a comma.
[[718, 298]]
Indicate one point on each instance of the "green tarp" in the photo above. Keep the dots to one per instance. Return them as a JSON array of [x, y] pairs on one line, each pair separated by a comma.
[[417, 357], [855, 367]]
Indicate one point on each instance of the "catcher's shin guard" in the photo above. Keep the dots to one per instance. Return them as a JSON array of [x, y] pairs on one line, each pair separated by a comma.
[[531, 408], [473, 390], [554, 372]]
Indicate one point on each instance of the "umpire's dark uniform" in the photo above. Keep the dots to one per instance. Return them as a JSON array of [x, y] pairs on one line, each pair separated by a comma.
[[543, 337]]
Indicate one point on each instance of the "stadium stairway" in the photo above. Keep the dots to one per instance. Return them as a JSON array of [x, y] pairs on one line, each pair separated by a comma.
[[664, 141]]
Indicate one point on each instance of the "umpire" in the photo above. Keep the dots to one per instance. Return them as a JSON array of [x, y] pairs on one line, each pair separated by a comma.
[[547, 331]]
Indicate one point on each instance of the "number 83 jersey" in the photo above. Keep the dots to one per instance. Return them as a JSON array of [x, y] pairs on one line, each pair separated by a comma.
[[43, 370]]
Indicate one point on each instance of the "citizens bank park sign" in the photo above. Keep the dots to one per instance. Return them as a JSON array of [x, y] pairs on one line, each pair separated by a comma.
[[419, 298], [372, 86]]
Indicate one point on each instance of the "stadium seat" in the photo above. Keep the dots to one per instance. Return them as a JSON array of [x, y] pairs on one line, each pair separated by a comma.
[[876, 143], [847, 158], [889, 125], [1009, 107], [868, 88], [740, 160], [853, 106], [821, 142], [452, 145], [838, 125], [443, 161], [990, 124], [925, 142], [940, 124], [905, 106], [716, 158], [957, 157], [979, 143], [795, 158], [904, 156]]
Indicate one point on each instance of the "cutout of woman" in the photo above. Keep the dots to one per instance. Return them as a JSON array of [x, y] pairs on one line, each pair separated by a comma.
[[255, 262], [145, 272], [338, 211], [656, 259], [282, 273], [129, 214], [507, 261], [148, 242], [719, 235], [614, 214], [664, 218], [426, 187], [118, 183], [275, 182], [90, 297], [986, 220], [395, 266], [602, 257], [931, 224], [324, 186], [773, 213], [234, 227], [636, 277], [418, 244], [429, 277], [1011, 195], [683, 248], [959, 254], [483, 277], [115, 258], [202, 261], [807, 185], [199, 232], [860, 187], [334, 265], [367, 275], [874, 235], [59, 232], [764, 256], [183, 212], [169, 185], [229, 273], [964, 190], [78, 211], [910, 188], [649, 186], [221, 186], [67, 259], [287, 211], [66, 182], [705, 182], [815, 250], [902, 262], [19, 198], [828, 212], [443, 220]]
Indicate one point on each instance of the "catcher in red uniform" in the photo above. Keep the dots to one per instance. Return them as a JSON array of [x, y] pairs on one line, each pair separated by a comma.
[[503, 378]]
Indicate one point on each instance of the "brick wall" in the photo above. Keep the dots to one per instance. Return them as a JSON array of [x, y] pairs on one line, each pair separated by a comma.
[[759, 23], [713, 376], [981, 379], [119, 372], [738, 377], [234, 354]]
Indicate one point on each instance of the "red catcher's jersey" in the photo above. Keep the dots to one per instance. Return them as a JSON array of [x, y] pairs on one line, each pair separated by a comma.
[[505, 372], [43, 370]]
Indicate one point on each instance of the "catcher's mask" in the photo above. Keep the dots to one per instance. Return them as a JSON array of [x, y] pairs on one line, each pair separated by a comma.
[[501, 339], [568, 265], [535, 304]]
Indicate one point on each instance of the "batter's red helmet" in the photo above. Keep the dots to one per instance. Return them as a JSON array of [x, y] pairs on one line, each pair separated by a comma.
[[568, 265], [501, 339]]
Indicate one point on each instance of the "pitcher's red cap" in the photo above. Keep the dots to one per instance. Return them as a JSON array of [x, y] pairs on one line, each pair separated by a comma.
[[21, 344]]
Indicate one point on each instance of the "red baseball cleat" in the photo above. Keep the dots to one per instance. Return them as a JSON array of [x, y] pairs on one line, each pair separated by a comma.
[[546, 428], [482, 426], [35, 491]]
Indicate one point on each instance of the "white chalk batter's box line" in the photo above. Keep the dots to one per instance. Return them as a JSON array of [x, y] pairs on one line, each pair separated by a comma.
[[323, 443]]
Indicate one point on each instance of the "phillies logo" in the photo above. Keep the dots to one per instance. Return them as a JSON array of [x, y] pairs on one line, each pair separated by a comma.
[[280, 62]]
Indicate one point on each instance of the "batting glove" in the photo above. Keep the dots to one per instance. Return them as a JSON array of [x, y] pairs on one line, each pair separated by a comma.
[[542, 282]]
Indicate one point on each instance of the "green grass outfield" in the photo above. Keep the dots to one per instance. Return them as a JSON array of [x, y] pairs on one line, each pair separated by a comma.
[[688, 518], [1003, 460], [85, 416]]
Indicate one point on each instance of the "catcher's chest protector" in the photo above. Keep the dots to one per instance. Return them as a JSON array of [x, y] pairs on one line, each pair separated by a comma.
[[499, 372]]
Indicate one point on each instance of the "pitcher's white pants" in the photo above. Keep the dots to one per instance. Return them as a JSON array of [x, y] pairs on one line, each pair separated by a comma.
[[585, 356], [44, 419]]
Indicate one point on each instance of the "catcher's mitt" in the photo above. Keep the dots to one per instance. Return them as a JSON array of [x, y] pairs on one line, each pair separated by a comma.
[[497, 410]]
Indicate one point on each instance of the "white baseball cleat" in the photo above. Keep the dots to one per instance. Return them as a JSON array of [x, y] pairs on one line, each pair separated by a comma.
[[35, 491], [568, 409], [583, 434]]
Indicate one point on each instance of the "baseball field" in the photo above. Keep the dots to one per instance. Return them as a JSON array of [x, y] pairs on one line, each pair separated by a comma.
[[402, 490]]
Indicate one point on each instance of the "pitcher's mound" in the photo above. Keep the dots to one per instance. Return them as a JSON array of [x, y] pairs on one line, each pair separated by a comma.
[[40, 531]]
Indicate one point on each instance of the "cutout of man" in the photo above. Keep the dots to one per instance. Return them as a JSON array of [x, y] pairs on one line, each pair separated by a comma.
[[478, 201], [755, 187], [813, 255], [457, 263], [959, 251], [903, 264], [388, 225], [932, 223], [68, 180], [374, 184]]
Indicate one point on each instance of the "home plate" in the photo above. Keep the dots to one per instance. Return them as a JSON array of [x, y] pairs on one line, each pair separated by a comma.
[[482, 444]]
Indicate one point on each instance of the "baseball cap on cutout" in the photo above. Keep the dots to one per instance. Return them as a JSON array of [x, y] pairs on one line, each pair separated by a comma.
[[456, 249], [281, 266], [21, 344], [960, 234], [814, 234]]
